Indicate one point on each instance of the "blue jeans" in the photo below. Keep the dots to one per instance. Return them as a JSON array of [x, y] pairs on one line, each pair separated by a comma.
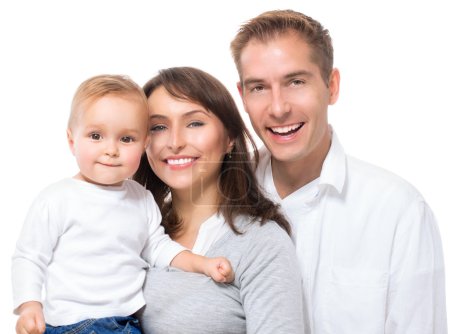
[[116, 325]]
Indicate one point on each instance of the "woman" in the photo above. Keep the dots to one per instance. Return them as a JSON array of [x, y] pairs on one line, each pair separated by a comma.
[[210, 203]]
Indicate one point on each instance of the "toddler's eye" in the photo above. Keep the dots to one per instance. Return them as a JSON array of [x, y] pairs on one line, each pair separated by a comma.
[[95, 136], [127, 139]]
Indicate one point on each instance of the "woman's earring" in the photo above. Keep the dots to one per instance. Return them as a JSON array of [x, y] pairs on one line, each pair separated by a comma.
[[229, 155]]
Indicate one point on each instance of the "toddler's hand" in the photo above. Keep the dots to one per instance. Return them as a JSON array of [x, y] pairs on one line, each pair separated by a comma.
[[220, 270], [31, 319]]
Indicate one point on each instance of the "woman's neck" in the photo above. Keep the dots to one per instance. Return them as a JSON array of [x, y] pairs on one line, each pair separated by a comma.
[[193, 209]]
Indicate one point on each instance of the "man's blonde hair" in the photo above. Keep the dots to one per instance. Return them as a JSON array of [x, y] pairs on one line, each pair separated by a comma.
[[270, 25]]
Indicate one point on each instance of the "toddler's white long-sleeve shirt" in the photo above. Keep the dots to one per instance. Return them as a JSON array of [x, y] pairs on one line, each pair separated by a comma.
[[89, 246]]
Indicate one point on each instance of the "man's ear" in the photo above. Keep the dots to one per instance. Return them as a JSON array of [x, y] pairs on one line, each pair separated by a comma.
[[333, 86], [240, 89], [241, 93], [70, 141]]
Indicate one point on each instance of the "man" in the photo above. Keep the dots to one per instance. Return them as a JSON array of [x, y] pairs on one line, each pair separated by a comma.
[[367, 242]]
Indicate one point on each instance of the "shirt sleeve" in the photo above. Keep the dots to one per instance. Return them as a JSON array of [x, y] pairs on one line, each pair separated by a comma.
[[160, 248], [416, 296], [33, 253], [270, 283]]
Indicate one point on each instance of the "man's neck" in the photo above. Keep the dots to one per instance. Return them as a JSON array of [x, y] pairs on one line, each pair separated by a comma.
[[289, 176]]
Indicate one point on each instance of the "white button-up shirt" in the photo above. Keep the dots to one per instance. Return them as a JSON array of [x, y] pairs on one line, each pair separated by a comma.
[[368, 246]]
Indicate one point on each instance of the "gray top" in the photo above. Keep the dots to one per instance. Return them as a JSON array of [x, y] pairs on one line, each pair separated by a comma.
[[265, 296]]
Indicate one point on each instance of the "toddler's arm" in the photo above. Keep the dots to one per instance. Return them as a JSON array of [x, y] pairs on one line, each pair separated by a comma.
[[161, 251], [218, 268], [31, 319]]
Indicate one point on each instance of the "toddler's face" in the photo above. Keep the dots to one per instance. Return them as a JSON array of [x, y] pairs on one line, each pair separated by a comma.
[[108, 139]]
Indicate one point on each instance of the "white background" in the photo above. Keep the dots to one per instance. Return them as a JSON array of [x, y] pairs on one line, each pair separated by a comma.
[[393, 108]]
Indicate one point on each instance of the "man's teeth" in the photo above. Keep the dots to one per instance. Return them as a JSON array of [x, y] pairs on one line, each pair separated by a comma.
[[282, 130], [179, 161]]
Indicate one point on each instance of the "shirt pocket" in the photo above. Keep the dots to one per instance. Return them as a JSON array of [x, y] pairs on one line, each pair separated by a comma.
[[355, 301]]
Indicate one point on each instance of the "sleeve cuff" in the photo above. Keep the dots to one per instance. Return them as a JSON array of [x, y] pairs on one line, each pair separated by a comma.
[[167, 254]]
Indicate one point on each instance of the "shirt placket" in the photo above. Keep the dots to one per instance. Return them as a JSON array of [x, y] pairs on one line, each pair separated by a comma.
[[308, 246]]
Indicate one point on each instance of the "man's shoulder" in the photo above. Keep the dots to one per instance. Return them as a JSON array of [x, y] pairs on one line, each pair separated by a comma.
[[375, 178]]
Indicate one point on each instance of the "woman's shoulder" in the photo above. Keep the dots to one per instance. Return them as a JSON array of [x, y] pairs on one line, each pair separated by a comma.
[[263, 248], [253, 237], [254, 228]]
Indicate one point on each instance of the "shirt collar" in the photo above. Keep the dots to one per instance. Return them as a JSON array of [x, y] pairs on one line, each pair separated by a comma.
[[211, 230], [334, 168]]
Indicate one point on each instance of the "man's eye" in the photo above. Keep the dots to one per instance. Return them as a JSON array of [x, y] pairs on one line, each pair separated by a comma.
[[127, 139], [297, 82], [95, 136], [257, 89]]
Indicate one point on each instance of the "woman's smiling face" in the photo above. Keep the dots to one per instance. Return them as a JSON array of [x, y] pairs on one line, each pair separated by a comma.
[[187, 143]]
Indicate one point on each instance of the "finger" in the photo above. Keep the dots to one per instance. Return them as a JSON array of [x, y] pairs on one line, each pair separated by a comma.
[[40, 325], [21, 330], [218, 277], [25, 325], [32, 326], [40, 322], [226, 270], [229, 278]]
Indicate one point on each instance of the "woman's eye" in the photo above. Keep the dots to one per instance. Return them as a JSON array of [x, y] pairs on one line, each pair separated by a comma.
[[95, 136], [195, 124], [127, 139], [157, 128]]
